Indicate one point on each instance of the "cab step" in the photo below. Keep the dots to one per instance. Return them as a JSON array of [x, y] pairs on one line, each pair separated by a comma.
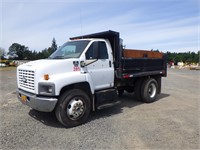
[[108, 105]]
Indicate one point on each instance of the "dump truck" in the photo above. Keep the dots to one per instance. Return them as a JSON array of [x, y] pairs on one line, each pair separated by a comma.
[[88, 73]]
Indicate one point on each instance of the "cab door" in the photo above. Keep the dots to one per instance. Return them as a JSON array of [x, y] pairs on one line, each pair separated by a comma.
[[101, 70]]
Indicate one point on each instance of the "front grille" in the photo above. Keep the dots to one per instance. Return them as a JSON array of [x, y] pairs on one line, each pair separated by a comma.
[[26, 79]]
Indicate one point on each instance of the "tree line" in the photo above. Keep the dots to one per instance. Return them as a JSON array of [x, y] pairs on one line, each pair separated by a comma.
[[186, 57], [21, 52]]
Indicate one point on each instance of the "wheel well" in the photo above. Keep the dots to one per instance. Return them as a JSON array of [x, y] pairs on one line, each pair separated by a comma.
[[82, 86]]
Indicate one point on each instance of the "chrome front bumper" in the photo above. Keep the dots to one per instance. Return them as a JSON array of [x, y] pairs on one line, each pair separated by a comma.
[[44, 104]]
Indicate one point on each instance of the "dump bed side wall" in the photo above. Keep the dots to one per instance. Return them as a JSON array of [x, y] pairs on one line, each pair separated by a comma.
[[136, 65], [142, 62], [128, 53]]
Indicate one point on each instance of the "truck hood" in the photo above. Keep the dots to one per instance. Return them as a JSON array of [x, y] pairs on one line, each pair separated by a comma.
[[52, 66], [40, 63]]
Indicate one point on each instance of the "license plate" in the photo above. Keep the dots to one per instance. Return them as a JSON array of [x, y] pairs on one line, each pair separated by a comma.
[[23, 98]]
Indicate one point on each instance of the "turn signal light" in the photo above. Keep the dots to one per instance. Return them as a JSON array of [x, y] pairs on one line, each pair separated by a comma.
[[46, 77]]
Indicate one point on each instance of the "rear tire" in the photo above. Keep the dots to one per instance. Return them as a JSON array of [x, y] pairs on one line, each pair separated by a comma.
[[149, 90], [137, 89], [73, 108]]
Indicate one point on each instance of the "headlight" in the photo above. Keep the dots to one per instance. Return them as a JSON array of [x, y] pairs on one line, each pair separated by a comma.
[[46, 89]]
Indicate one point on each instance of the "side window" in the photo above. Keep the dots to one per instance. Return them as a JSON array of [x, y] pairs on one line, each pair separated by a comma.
[[103, 52], [97, 50]]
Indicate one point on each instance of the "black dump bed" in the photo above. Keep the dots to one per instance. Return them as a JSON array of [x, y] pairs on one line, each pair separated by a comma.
[[131, 63], [138, 63]]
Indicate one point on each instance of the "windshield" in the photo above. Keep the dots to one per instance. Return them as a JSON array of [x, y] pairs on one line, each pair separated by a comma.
[[71, 49]]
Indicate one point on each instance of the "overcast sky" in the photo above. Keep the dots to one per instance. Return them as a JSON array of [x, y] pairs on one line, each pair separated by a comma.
[[167, 25]]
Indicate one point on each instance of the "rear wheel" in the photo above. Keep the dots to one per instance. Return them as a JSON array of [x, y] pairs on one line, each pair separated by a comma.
[[73, 108], [149, 90], [137, 88]]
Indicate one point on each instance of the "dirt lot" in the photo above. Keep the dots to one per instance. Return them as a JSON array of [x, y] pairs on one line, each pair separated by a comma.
[[172, 122]]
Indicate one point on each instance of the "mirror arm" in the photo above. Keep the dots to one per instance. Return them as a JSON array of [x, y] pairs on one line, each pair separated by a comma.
[[83, 63]]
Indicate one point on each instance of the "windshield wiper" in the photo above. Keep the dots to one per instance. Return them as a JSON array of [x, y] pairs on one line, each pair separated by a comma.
[[58, 57]]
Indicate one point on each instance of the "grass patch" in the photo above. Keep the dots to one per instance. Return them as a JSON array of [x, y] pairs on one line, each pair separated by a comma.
[[7, 68]]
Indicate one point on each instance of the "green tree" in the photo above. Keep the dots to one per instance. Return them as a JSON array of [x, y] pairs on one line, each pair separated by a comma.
[[47, 51], [21, 51], [44, 53], [18, 49], [53, 46], [189, 57]]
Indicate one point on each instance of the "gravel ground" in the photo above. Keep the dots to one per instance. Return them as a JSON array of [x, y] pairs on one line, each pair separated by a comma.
[[172, 122]]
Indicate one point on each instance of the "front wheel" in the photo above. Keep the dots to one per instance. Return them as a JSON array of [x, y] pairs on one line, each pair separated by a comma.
[[73, 108], [149, 90]]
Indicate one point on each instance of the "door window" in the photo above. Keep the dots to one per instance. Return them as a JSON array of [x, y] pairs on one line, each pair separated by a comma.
[[90, 52], [97, 50], [103, 53]]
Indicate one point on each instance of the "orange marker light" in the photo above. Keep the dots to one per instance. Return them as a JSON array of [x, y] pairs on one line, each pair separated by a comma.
[[46, 77]]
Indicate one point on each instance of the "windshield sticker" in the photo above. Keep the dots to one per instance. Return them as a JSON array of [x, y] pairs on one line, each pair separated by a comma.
[[76, 66]]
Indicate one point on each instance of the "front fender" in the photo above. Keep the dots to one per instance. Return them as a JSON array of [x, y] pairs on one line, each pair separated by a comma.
[[62, 80]]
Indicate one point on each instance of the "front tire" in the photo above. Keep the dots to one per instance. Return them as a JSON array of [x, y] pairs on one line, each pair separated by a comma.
[[73, 108], [149, 90]]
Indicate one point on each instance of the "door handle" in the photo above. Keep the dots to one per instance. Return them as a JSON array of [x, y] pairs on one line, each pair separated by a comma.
[[110, 64]]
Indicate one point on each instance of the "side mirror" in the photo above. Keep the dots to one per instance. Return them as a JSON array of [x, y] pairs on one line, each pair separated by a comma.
[[82, 64]]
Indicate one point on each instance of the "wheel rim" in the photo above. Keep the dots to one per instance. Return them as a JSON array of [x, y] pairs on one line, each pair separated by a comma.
[[75, 109], [152, 90]]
